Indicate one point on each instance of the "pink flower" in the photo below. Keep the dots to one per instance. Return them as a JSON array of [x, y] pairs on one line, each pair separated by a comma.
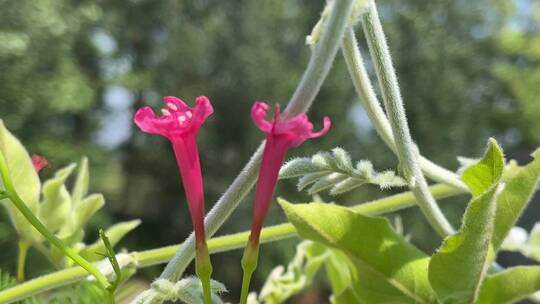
[[39, 162], [180, 124], [281, 135]]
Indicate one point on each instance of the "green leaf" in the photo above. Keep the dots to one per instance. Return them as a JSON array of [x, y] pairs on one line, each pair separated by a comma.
[[114, 233], [510, 285], [343, 159], [326, 182], [521, 184], [25, 180], [371, 244], [457, 269], [335, 171], [482, 175], [87, 208], [297, 167], [80, 188], [56, 205]]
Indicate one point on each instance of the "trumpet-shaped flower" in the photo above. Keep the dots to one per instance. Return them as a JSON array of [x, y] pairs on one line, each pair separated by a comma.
[[282, 133], [180, 124]]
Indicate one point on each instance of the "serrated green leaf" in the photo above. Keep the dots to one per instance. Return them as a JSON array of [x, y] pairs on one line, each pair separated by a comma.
[[342, 159], [25, 180], [80, 188], [56, 205], [297, 167], [326, 182], [115, 233], [457, 269], [519, 189], [309, 179], [510, 285], [369, 242], [346, 185]]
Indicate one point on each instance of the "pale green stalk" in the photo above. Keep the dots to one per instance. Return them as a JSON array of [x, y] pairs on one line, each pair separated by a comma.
[[219, 244], [371, 104], [405, 148], [21, 259]]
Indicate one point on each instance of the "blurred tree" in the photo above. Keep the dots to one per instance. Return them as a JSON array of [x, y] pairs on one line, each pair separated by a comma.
[[73, 71]]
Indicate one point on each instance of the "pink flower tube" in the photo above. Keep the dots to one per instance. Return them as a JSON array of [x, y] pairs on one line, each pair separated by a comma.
[[282, 133], [180, 124]]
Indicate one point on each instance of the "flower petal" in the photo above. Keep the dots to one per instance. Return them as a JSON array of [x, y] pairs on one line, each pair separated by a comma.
[[203, 108], [258, 115], [146, 119], [326, 126], [176, 104]]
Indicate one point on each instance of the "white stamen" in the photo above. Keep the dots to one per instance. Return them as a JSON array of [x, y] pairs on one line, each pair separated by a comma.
[[188, 114], [165, 112], [172, 106], [182, 119]]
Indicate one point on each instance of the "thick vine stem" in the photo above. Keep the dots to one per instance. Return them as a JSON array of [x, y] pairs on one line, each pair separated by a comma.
[[406, 150], [230, 242], [314, 75], [371, 104]]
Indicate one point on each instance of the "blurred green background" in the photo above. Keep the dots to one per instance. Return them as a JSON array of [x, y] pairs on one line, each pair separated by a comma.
[[72, 72]]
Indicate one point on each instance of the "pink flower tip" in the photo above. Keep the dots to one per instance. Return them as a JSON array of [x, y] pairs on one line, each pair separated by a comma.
[[176, 118], [296, 129], [39, 162]]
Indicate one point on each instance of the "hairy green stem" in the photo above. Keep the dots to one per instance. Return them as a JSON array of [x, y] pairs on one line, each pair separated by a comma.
[[371, 104], [36, 223], [314, 75], [157, 256], [406, 150]]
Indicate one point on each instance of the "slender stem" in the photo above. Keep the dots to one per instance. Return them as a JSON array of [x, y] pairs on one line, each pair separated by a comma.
[[249, 264], [314, 75], [21, 259], [371, 104], [203, 268], [36, 223], [230, 242], [406, 150]]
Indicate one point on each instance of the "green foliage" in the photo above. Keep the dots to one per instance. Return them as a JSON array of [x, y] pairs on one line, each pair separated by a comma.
[[510, 285], [335, 171], [63, 213], [370, 243], [457, 269]]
